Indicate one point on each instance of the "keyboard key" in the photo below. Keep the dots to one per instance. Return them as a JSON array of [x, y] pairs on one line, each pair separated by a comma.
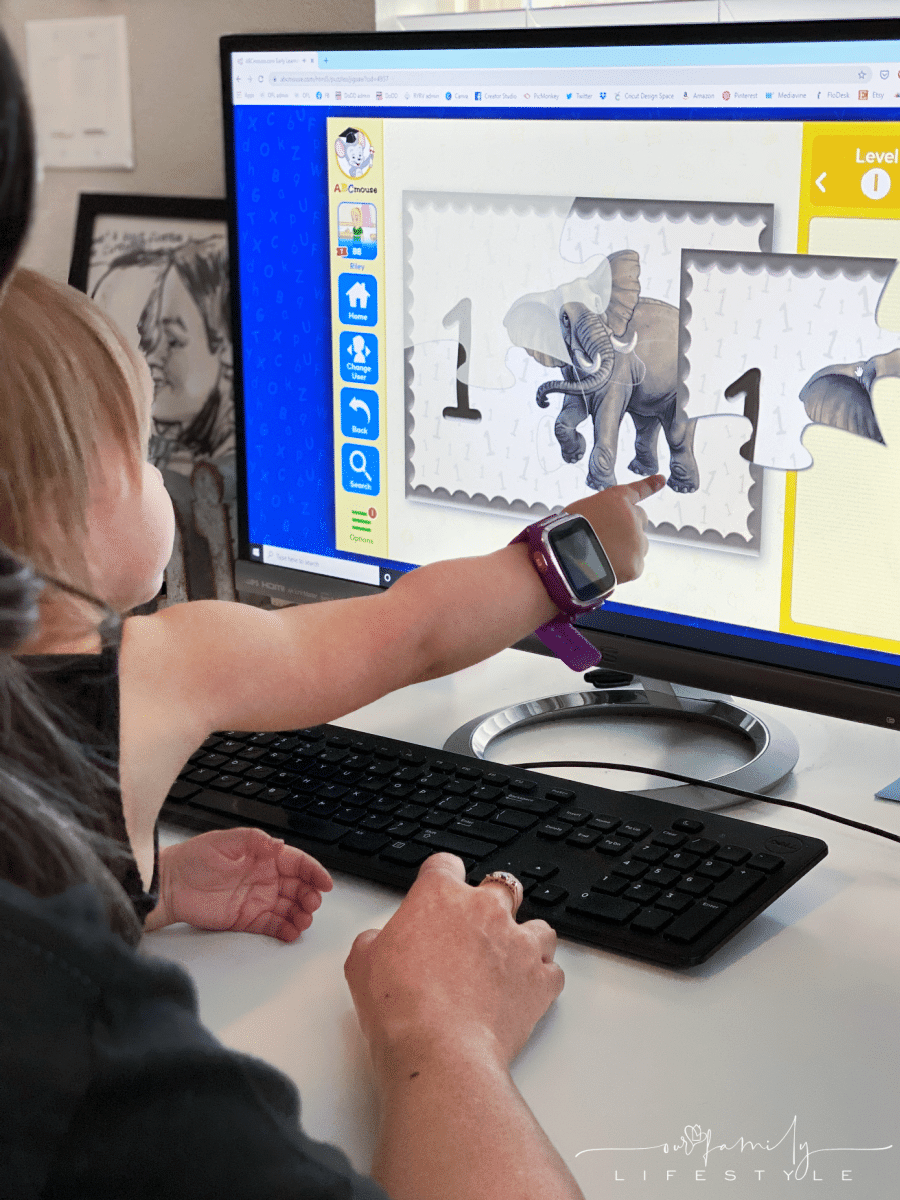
[[331, 791], [332, 756], [375, 821], [642, 892], [586, 838], [515, 819], [553, 831], [575, 816], [674, 901], [604, 824], [679, 861], [733, 854], [610, 885], [437, 820], [689, 926], [458, 787], [407, 774], [740, 883], [530, 804], [688, 825], [636, 832], [669, 838], [383, 804], [468, 773], [180, 790], [363, 841], [662, 876], [766, 862], [451, 804], [321, 808], [272, 795], [210, 760], [224, 783], [650, 854], [358, 797], [694, 885], [611, 845], [547, 895], [487, 793], [247, 788], [251, 753], [651, 920], [315, 829], [479, 810], [496, 778], [401, 829], [560, 794], [416, 757], [440, 839], [344, 815], [541, 870], [604, 908], [400, 790], [712, 869], [486, 830], [629, 868], [702, 846], [201, 775], [406, 854], [410, 812], [425, 796], [525, 786]]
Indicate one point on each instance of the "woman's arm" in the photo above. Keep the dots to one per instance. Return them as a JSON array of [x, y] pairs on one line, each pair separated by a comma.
[[447, 994]]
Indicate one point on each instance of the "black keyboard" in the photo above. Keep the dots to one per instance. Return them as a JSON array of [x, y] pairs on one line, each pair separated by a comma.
[[627, 873]]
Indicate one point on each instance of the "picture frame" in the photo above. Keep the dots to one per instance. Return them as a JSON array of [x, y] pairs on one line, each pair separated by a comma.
[[159, 266]]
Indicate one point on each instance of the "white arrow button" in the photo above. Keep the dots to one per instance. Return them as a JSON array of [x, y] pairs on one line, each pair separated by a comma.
[[819, 184]]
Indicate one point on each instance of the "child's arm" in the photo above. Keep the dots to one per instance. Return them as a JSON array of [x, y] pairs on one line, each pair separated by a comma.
[[239, 879], [215, 665]]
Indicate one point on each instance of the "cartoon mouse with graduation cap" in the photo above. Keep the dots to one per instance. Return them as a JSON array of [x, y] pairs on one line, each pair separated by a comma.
[[354, 151]]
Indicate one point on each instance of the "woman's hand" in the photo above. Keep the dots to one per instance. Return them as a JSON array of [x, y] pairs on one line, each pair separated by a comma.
[[619, 522], [451, 971]]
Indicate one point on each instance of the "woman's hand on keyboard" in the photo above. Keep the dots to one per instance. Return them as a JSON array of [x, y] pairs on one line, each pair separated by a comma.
[[447, 994], [452, 967]]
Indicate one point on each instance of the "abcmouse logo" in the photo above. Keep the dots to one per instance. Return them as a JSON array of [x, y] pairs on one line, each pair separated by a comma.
[[354, 152]]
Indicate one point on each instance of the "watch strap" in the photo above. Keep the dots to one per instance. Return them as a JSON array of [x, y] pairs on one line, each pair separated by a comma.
[[568, 644]]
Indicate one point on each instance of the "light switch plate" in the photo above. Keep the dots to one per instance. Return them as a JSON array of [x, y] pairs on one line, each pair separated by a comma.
[[80, 92]]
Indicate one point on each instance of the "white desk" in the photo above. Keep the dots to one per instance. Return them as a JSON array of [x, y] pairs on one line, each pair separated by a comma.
[[798, 1016]]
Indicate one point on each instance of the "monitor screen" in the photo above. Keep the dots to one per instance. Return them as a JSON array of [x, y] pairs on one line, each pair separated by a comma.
[[479, 276]]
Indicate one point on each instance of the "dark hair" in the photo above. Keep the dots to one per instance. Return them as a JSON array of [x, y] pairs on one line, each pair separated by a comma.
[[17, 160], [55, 791]]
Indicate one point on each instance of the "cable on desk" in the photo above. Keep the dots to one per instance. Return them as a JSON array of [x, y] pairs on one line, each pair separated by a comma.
[[721, 787]]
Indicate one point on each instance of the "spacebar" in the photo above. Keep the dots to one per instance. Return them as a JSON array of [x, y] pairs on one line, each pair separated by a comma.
[[241, 806]]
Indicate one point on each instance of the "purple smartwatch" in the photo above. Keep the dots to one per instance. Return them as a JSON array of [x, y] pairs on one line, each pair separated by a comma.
[[578, 577]]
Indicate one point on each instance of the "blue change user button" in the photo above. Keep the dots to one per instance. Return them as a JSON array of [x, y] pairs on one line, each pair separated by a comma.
[[360, 469], [359, 357]]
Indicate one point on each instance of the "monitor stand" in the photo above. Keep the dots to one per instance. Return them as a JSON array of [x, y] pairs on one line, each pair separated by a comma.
[[772, 747]]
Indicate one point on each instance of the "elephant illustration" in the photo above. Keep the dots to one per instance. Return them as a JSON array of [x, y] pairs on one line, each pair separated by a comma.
[[841, 395], [579, 328]]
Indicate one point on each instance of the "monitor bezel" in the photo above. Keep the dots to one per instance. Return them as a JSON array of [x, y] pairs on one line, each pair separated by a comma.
[[717, 670]]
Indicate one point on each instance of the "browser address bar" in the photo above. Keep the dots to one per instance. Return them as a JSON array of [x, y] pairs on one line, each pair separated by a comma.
[[290, 79]]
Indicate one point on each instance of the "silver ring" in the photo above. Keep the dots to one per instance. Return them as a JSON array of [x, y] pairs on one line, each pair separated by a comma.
[[509, 881]]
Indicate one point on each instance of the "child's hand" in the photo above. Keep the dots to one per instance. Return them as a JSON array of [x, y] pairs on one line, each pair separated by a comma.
[[241, 880]]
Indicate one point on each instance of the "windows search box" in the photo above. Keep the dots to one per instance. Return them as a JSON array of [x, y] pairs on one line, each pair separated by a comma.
[[321, 564]]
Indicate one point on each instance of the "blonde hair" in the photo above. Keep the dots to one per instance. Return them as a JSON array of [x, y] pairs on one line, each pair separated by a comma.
[[68, 381]]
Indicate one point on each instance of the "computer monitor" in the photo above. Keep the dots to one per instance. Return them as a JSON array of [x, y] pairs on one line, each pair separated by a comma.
[[478, 276]]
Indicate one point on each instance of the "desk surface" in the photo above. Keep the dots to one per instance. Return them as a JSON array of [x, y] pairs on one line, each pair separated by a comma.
[[787, 1039]]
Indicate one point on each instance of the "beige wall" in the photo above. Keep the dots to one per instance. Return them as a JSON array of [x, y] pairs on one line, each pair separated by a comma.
[[176, 104]]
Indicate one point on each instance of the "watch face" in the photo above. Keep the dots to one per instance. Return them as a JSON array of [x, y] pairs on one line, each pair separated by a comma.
[[582, 560]]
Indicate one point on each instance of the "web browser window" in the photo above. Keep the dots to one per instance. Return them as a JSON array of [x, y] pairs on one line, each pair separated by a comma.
[[478, 283]]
